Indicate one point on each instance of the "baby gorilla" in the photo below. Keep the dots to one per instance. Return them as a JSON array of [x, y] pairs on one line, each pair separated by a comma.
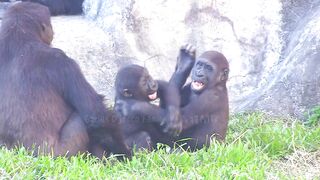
[[141, 122], [204, 101]]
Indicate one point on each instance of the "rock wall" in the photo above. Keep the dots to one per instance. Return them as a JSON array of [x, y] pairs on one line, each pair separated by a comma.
[[272, 46]]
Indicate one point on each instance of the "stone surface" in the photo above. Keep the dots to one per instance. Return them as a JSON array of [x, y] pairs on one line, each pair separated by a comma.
[[293, 86], [272, 46]]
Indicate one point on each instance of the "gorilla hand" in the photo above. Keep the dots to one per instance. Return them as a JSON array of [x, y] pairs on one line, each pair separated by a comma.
[[122, 108], [185, 62], [186, 59], [168, 118], [172, 123]]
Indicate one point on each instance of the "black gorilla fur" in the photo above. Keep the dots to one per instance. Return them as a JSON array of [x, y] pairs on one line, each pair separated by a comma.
[[46, 101]]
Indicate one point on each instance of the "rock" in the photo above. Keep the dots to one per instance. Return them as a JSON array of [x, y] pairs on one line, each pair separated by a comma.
[[3, 7], [272, 46], [293, 85]]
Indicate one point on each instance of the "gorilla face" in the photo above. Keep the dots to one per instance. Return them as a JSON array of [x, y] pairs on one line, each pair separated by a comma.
[[148, 87], [211, 69], [134, 82], [203, 73]]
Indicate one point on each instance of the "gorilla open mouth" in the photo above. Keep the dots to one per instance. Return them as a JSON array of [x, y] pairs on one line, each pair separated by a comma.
[[197, 85], [153, 96]]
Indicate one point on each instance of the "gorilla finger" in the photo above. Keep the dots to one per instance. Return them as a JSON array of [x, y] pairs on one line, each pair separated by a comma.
[[173, 131], [189, 47], [162, 123], [165, 130], [192, 51], [183, 47], [168, 131]]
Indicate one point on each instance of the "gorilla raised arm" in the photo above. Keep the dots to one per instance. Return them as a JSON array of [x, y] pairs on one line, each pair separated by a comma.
[[45, 100]]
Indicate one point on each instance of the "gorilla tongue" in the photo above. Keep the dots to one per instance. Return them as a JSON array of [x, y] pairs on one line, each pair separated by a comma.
[[197, 85], [153, 96]]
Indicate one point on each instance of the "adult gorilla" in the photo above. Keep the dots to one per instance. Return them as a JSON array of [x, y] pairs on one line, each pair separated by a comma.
[[58, 7], [46, 102]]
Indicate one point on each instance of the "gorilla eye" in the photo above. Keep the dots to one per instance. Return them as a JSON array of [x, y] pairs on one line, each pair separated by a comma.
[[209, 67], [200, 63], [127, 93], [225, 71]]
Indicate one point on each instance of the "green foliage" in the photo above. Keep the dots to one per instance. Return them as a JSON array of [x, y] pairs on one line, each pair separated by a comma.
[[276, 137], [254, 141], [313, 117]]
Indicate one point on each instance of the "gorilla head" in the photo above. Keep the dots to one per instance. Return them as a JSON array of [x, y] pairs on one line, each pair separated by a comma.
[[34, 21], [134, 82], [210, 69]]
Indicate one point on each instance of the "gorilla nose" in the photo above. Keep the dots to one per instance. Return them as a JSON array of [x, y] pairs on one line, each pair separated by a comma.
[[153, 86], [200, 75]]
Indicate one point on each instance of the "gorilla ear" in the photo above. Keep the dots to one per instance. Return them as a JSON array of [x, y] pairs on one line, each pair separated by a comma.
[[225, 74], [46, 33], [126, 93], [43, 26]]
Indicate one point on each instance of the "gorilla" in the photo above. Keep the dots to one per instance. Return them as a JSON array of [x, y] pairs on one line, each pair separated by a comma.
[[58, 7], [145, 124], [204, 106], [46, 103], [133, 83], [204, 101]]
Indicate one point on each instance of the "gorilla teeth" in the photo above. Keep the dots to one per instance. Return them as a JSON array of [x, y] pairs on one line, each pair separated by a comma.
[[197, 85], [153, 96]]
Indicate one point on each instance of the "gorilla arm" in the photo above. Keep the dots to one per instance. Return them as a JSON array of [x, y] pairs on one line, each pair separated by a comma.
[[185, 62], [76, 91], [142, 110], [168, 115], [79, 94]]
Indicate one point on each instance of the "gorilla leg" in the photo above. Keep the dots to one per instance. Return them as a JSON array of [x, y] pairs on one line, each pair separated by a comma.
[[97, 150], [140, 140], [108, 139], [119, 146], [197, 137], [73, 137]]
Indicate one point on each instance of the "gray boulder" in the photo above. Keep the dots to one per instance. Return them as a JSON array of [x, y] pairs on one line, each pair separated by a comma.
[[272, 46]]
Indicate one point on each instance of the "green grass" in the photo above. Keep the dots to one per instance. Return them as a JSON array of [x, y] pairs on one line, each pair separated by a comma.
[[257, 147]]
